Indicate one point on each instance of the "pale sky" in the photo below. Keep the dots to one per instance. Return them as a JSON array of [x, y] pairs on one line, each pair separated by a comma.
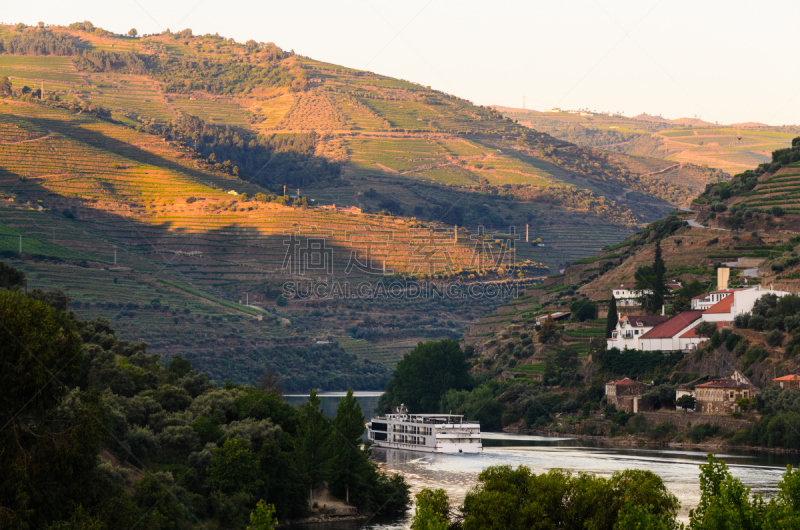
[[729, 61]]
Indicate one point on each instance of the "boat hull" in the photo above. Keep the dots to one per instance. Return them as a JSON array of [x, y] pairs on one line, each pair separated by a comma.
[[448, 448]]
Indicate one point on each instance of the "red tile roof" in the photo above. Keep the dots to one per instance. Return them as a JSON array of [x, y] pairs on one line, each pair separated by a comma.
[[626, 381], [791, 377], [672, 326], [723, 306], [725, 383], [692, 335]]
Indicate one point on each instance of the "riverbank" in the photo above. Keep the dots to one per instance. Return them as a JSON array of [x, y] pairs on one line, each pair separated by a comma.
[[632, 440]]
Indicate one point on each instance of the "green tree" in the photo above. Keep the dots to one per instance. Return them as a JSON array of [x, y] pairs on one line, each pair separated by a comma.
[[351, 464], [263, 517], [5, 87], [11, 277], [659, 287], [686, 402], [314, 450], [432, 510], [705, 329], [724, 501], [133, 33], [516, 498], [548, 329], [234, 468], [613, 317], [583, 310], [40, 344], [425, 374]]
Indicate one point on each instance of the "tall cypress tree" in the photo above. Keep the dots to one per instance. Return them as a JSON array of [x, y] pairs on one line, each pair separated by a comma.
[[612, 318], [659, 286]]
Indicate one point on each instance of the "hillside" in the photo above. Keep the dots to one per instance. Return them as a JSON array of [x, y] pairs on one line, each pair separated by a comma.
[[163, 179], [750, 224], [425, 153], [691, 146]]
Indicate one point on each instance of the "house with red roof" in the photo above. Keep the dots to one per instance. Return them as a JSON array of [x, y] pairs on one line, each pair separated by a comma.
[[791, 382], [665, 336], [631, 328], [625, 394]]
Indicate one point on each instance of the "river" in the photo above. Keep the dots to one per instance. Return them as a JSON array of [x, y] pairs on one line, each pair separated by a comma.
[[456, 474]]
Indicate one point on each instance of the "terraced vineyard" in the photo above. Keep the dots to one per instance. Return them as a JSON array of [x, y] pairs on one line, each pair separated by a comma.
[[149, 199], [731, 149], [779, 190]]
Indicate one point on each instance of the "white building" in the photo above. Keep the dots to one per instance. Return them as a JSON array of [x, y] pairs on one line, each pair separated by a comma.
[[678, 333], [631, 328], [627, 295]]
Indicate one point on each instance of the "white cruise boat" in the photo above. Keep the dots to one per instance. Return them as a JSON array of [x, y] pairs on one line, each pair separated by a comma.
[[429, 433]]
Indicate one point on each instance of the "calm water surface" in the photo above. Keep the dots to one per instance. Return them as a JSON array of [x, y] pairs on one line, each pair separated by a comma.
[[456, 474]]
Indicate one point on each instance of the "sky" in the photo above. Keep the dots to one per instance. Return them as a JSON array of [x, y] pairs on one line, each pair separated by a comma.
[[725, 62]]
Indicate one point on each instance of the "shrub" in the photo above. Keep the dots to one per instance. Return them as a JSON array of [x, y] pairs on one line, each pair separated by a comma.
[[774, 338]]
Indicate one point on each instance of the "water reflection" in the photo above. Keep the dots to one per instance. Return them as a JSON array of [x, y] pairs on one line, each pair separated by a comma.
[[677, 467]]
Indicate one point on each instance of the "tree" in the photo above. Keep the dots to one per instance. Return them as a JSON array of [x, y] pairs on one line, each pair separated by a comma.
[[516, 498], [613, 317], [263, 517], [583, 310], [133, 33], [314, 443], [686, 402], [39, 344], [350, 462], [432, 510], [5, 87], [659, 286], [11, 277], [725, 501], [425, 374], [548, 329], [271, 382], [705, 329]]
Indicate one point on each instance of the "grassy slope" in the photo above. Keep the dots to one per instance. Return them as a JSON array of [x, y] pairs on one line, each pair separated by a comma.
[[728, 148]]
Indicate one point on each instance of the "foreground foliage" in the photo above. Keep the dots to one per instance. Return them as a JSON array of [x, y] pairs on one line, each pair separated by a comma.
[[98, 434], [508, 498]]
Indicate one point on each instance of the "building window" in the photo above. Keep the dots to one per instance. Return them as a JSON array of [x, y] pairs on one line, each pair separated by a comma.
[[731, 394], [745, 393], [635, 331]]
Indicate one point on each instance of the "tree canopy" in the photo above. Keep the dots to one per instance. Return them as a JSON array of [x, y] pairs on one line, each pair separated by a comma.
[[425, 374]]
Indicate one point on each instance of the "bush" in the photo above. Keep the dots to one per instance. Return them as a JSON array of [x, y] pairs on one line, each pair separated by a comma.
[[774, 338]]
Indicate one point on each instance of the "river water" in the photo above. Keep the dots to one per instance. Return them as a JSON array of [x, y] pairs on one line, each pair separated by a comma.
[[456, 474]]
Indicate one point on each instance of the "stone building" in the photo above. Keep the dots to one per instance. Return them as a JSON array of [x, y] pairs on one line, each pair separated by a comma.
[[792, 382], [719, 396], [625, 394]]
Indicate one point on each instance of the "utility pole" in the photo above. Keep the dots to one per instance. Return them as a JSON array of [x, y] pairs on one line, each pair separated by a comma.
[[284, 190], [247, 295], [20, 243], [115, 256], [527, 231]]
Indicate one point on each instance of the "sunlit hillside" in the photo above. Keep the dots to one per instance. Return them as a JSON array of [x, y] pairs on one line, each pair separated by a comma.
[[691, 145], [161, 180]]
